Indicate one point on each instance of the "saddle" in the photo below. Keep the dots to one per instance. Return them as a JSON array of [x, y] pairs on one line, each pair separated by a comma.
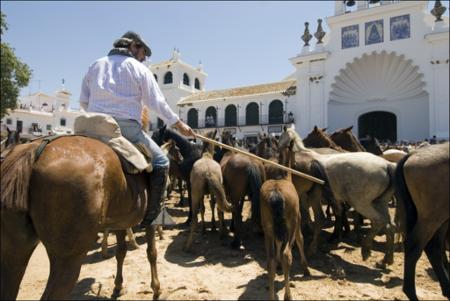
[[135, 158]]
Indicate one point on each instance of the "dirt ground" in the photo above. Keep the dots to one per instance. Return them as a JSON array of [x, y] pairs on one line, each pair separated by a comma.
[[214, 271]]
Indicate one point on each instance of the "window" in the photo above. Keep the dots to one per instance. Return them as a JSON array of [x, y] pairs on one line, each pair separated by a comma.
[[168, 78], [8, 121], [49, 127], [62, 122], [186, 80], [192, 118], [230, 116], [276, 112], [252, 114], [211, 117], [197, 84]]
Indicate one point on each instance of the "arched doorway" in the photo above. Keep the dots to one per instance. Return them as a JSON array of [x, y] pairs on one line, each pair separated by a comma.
[[193, 118], [379, 124]]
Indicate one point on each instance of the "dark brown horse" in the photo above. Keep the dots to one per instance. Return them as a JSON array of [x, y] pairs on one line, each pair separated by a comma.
[[242, 176], [63, 198], [422, 192]]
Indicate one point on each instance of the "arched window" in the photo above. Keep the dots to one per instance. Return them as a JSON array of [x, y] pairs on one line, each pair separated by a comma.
[[192, 118], [156, 77], [230, 116], [210, 117], [186, 80], [197, 84], [168, 78], [252, 114], [276, 112]]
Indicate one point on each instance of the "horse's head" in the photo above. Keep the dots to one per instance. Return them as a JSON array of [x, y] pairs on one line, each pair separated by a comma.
[[11, 140], [318, 138], [267, 147], [289, 141], [345, 139], [372, 145], [172, 151], [227, 138], [208, 147]]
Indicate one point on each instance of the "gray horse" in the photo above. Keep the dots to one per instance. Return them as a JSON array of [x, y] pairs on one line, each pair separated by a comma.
[[361, 179]]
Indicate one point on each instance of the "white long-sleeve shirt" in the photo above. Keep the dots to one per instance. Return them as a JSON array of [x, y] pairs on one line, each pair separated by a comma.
[[119, 86]]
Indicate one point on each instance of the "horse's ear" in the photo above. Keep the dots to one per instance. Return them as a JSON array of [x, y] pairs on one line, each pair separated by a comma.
[[7, 129], [284, 128], [315, 128], [349, 128], [215, 133], [324, 129]]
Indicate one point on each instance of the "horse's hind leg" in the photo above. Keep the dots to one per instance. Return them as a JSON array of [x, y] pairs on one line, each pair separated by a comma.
[[436, 255], [64, 272], [132, 239], [121, 252], [105, 243], [18, 241], [212, 203], [287, 262], [300, 242], [152, 256], [414, 244]]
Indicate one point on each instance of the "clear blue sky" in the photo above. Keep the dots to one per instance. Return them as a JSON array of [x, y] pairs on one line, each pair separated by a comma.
[[239, 43]]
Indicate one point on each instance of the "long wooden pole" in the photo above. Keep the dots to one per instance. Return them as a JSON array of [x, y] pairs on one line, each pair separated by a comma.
[[293, 171]]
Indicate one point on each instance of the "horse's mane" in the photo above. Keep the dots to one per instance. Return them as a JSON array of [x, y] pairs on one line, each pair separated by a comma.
[[297, 142], [187, 148], [208, 147]]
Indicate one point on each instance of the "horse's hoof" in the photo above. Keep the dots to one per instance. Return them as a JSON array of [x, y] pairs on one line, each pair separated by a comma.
[[118, 291], [365, 253], [235, 244], [380, 265]]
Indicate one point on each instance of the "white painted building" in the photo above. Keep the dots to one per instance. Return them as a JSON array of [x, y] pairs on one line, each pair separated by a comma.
[[383, 68], [40, 114]]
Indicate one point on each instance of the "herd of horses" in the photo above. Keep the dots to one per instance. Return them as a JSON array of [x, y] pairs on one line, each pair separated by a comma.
[[90, 193]]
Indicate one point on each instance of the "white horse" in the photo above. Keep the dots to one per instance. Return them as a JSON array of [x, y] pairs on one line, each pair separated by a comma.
[[361, 179]]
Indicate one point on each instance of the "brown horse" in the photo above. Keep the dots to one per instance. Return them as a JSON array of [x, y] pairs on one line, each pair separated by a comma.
[[345, 139], [63, 198], [206, 177], [422, 192], [319, 139], [242, 176], [280, 218]]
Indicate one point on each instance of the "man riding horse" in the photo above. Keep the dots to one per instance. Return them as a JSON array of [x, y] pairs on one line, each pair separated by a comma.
[[120, 85]]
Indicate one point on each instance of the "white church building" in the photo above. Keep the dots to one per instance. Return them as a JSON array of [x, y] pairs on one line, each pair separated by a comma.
[[383, 67]]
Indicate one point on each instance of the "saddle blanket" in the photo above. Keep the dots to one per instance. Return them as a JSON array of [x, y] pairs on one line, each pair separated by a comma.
[[104, 128]]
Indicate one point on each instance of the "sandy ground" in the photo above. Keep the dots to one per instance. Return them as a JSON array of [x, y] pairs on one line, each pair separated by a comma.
[[214, 271]]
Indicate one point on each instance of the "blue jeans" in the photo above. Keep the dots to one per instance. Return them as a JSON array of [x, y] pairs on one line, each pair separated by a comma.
[[132, 130]]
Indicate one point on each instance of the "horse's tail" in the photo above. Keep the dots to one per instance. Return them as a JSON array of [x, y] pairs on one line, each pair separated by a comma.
[[318, 171], [276, 203], [255, 181], [405, 213], [16, 172], [216, 188]]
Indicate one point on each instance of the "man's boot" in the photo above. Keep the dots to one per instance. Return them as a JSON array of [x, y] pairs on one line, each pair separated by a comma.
[[157, 189]]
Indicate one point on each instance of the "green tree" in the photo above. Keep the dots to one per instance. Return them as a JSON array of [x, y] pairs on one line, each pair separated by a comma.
[[14, 74]]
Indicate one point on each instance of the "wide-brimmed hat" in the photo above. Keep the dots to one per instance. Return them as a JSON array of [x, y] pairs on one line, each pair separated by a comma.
[[129, 37]]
